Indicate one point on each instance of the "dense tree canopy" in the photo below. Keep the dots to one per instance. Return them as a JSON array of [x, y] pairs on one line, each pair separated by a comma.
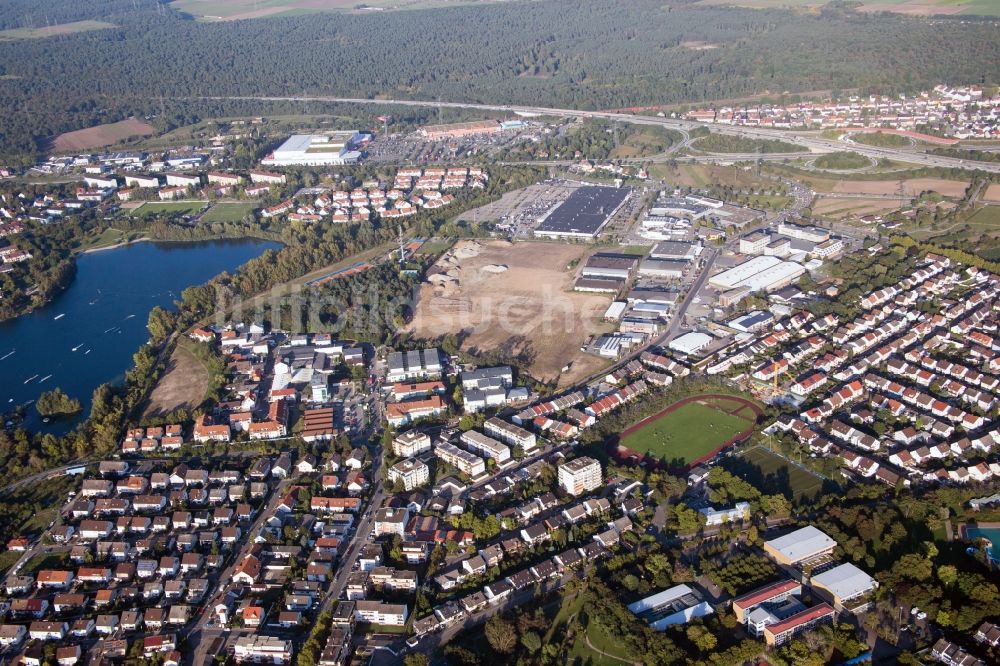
[[579, 53]]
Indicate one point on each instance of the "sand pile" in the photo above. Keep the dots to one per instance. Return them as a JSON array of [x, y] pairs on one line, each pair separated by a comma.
[[494, 268]]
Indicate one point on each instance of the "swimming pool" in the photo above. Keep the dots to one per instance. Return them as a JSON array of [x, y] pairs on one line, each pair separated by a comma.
[[991, 533]]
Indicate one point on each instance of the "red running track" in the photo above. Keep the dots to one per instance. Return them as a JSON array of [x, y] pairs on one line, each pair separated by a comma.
[[626, 455]]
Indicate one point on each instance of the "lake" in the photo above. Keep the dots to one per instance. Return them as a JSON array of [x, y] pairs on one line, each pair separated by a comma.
[[87, 335]]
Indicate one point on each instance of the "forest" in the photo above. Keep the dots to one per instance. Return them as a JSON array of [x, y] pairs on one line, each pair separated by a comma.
[[579, 53]]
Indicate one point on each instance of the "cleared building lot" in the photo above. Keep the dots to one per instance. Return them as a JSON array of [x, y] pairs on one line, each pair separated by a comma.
[[517, 297]]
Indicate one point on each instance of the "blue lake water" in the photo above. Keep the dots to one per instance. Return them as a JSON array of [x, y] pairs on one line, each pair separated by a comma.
[[87, 335]]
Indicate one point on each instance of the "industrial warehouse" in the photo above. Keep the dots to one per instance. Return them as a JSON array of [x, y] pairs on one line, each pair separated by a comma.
[[333, 149], [764, 273], [584, 213]]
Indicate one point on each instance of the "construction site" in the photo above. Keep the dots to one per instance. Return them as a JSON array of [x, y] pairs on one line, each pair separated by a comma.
[[517, 298]]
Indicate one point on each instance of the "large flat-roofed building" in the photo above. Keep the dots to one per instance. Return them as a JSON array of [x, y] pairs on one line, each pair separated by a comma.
[[675, 250], [484, 445], [734, 277], [610, 265], [584, 213], [690, 343], [599, 285], [456, 130], [814, 234], [580, 475], [663, 268], [782, 632], [675, 605], [510, 433], [843, 583], [331, 149], [771, 594], [800, 546], [416, 364], [259, 649], [764, 273], [754, 243]]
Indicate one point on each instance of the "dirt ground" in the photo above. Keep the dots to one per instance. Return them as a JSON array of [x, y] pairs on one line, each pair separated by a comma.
[[517, 297], [102, 135], [183, 386], [992, 193], [911, 186]]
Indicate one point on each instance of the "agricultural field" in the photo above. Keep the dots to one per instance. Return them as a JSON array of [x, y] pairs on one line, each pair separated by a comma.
[[773, 473], [100, 136], [690, 430], [516, 298], [842, 208], [908, 7], [228, 212], [53, 30], [909, 187], [234, 10], [992, 193]]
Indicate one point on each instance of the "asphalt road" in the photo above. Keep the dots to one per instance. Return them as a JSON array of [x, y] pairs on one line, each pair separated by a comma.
[[812, 143]]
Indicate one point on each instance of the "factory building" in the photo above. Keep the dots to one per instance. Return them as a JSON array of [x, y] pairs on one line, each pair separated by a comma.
[[609, 265], [663, 268], [333, 149], [675, 251], [764, 273], [690, 343]]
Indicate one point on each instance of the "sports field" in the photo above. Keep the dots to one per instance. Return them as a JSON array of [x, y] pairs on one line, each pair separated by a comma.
[[690, 430], [773, 473]]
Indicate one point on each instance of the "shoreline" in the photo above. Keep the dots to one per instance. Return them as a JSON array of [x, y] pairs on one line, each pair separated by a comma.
[[144, 239]]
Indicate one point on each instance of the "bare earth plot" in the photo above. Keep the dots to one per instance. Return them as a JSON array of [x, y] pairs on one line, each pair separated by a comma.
[[183, 385], [101, 135], [852, 207], [517, 297], [911, 186], [992, 193]]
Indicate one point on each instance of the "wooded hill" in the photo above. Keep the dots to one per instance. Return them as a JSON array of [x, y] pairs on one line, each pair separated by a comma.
[[576, 53]]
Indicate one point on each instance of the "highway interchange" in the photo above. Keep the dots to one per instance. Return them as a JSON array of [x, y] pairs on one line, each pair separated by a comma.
[[814, 143]]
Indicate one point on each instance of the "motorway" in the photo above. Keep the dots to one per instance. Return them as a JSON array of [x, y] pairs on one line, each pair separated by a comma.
[[813, 143]]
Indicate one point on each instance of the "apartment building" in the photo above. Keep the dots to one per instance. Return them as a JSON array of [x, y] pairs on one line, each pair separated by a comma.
[[580, 475]]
